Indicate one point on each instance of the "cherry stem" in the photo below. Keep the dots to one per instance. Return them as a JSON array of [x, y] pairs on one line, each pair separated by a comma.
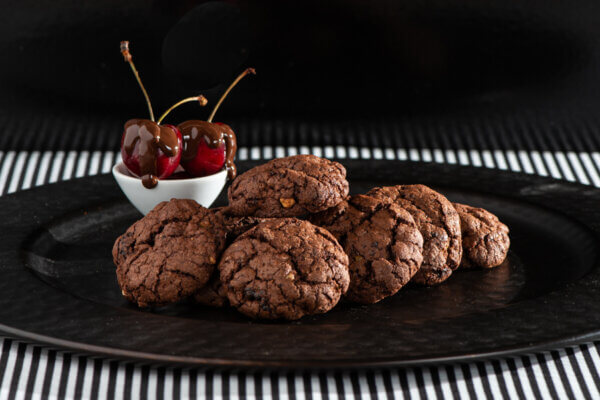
[[235, 82], [129, 59], [200, 99]]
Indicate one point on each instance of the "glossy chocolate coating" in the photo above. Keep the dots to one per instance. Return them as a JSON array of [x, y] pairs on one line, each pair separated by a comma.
[[215, 135], [151, 137]]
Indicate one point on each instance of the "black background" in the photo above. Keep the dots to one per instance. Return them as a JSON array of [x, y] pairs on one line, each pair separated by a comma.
[[315, 60]]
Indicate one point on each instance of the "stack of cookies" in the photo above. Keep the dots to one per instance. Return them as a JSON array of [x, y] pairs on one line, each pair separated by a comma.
[[293, 243]]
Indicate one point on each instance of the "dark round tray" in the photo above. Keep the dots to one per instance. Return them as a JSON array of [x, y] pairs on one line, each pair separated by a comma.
[[58, 284]]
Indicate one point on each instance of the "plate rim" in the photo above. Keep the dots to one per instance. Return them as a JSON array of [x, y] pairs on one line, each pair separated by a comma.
[[181, 361]]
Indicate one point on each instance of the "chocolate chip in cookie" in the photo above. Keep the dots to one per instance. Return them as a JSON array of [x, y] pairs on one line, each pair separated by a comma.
[[289, 187], [484, 238], [169, 254], [284, 269], [439, 224], [382, 242]]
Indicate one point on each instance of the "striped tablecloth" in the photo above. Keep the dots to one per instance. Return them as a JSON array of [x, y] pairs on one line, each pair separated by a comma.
[[31, 371]]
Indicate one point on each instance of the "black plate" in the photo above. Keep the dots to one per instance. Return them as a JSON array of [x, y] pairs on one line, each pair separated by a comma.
[[58, 284]]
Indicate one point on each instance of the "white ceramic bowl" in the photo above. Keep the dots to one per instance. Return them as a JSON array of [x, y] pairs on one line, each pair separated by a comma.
[[204, 190]]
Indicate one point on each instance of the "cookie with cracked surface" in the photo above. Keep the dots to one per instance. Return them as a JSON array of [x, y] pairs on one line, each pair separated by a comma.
[[284, 269], [289, 187], [484, 238], [169, 254], [439, 224], [382, 242]]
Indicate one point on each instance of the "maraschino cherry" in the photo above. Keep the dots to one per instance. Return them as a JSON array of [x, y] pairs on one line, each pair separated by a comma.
[[150, 150], [209, 146]]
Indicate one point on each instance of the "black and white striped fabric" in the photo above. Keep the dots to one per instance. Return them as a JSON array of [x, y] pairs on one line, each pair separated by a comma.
[[32, 371]]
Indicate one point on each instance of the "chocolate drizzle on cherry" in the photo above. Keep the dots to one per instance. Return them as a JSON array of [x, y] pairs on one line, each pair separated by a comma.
[[199, 138], [209, 146], [150, 150], [153, 151]]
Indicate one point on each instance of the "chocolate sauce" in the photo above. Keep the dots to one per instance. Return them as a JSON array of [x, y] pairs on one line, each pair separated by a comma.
[[151, 137], [215, 135]]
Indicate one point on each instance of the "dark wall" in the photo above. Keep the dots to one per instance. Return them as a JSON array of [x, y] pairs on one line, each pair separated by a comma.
[[332, 59]]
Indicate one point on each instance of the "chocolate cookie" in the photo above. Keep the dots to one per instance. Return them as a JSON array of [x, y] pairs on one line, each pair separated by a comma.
[[484, 238], [284, 268], [439, 224], [289, 187], [169, 254], [382, 242]]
